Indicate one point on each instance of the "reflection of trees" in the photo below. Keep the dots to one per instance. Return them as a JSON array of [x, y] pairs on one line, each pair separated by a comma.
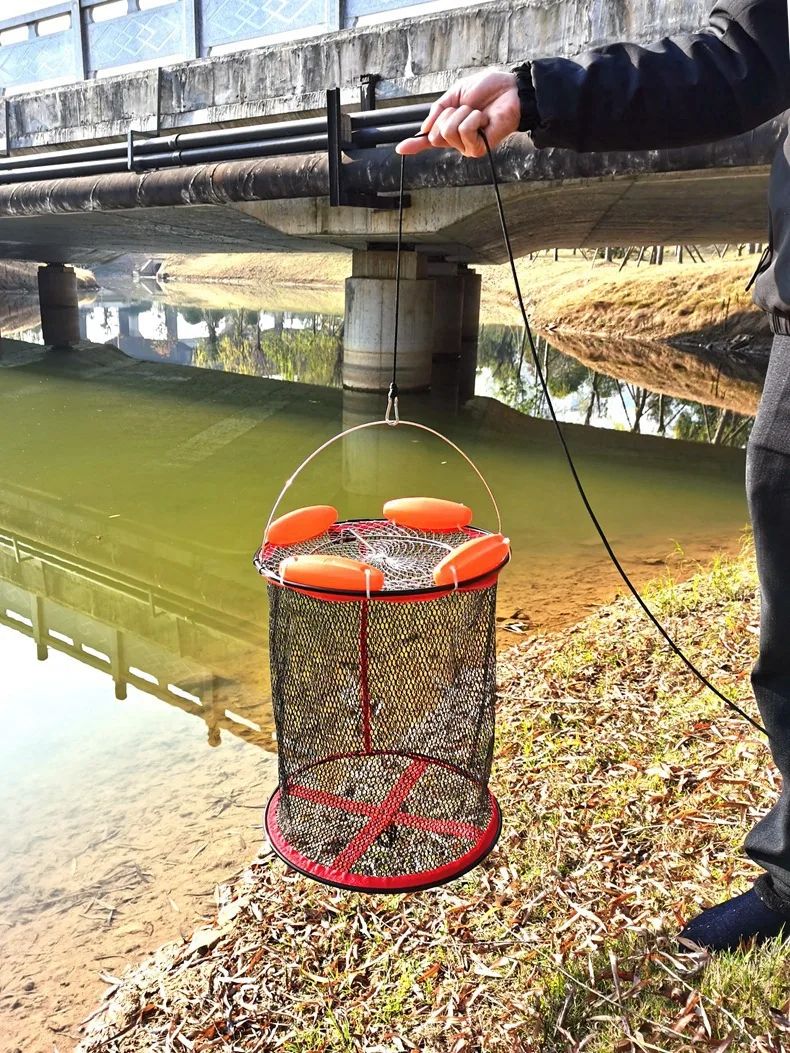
[[502, 351], [587, 395], [236, 343], [707, 424]]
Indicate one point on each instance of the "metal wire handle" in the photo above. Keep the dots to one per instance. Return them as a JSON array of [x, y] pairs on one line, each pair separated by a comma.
[[387, 424]]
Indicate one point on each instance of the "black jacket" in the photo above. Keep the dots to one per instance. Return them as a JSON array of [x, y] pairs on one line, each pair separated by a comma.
[[727, 79]]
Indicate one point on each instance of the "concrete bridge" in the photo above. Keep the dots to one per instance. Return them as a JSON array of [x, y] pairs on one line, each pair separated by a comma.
[[225, 63]]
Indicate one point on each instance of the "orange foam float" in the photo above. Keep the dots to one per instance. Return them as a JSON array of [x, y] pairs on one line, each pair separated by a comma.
[[428, 513], [473, 559], [301, 525], [332, 572]]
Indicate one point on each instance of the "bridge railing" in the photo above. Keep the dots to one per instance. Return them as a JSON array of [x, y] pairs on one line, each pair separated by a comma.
[[80, 39]]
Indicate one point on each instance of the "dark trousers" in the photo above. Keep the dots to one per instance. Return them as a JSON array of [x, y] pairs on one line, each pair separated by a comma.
[[768, 487]]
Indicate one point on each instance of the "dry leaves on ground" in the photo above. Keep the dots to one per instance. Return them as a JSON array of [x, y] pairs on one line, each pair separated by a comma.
[[627, 792]]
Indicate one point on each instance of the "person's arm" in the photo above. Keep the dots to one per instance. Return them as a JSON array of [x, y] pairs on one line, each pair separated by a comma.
[[724, 80]]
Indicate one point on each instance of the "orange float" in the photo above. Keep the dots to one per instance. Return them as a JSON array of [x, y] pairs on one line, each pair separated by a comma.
[[301, 525], [473, 559], [331, 572], [428, 513]]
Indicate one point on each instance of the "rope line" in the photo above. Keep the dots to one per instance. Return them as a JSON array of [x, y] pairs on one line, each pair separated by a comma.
[[558, 428], [393, 394]]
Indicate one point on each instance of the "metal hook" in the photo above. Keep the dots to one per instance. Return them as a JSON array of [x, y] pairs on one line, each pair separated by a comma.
[[392, 408]]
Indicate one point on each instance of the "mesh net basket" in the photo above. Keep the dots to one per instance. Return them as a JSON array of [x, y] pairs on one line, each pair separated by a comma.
[[384, 705]]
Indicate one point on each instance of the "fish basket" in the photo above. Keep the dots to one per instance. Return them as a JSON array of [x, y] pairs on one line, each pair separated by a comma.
[[383, 662]]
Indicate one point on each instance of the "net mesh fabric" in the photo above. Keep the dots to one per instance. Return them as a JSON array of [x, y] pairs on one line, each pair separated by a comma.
[[385, 726], [406, 557]]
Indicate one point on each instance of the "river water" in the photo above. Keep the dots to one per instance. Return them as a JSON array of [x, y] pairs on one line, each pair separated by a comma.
[[137, 746]]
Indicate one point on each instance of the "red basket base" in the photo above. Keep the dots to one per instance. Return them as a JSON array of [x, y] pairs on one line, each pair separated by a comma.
[[375, 821]]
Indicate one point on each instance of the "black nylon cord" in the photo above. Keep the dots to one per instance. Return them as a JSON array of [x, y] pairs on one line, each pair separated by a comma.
[[563, 442], [393, 393]]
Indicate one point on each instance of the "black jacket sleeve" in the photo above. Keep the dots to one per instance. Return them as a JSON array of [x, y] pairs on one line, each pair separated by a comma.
[[730, 77]]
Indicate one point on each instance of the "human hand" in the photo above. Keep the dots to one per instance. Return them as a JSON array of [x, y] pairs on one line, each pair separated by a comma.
[[487, 100]]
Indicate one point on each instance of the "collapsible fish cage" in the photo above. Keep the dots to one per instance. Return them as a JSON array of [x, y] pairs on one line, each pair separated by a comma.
[[383, 661]]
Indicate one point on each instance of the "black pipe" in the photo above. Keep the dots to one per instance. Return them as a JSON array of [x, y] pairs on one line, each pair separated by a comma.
[[363, 125], [390, 115], [172, 159], [179, 141], [52, 157], [207, 154], [309, 144], [86, 168], [246, 133], [392, 133]]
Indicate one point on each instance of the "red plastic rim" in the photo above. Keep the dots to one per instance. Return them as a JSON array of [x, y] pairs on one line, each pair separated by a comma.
[[340, 874], [262, 558]]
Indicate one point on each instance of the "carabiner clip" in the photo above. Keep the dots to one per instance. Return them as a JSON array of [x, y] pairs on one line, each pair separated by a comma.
[[393, 415]]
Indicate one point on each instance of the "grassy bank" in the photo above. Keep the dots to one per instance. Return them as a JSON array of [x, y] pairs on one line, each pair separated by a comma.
[[23, 277], [708, 300], [627, 793]]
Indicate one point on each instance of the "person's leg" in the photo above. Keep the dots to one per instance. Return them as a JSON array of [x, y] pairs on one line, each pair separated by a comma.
[[764, 911], [768, 486]]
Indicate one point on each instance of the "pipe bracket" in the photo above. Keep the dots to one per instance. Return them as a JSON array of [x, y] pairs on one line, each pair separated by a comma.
[[339, 141]]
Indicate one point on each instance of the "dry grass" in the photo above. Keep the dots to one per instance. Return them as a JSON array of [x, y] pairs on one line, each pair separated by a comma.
[[709, 299], [651, 302], [312, 268], [627, 793]]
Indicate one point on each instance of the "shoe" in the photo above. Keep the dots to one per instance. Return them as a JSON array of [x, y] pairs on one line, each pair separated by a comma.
[[735, 922]]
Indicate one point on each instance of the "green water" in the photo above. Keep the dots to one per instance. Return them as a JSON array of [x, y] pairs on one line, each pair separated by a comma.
[[133, 496]]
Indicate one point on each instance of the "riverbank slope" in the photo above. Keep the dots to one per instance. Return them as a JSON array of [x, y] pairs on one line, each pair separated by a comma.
[[701, 301], [627, 792]]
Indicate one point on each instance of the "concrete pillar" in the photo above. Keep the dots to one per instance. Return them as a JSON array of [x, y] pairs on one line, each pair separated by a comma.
[[370, 323], [470, 335], [60, 312], [39, 628], [447, 331], [171, 324], [118, 666], [448, 311], [212, 710]]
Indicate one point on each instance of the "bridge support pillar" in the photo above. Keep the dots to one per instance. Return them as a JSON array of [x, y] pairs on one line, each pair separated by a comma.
[[456, 330], [59, 304], [370, 323], [470, 334], [438, 330], [39, 628], [448, 311]]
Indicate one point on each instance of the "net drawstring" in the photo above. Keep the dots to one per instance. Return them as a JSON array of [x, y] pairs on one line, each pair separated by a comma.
[[393, 407]]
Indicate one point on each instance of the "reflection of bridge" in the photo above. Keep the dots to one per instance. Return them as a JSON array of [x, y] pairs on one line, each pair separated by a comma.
[[198, 657]]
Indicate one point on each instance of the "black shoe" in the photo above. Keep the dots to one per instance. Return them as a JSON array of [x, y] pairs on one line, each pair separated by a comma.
[[736, 922]]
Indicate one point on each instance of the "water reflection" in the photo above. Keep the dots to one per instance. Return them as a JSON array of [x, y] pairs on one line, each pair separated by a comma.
[[135, 493], [630, 385], [610, 394]]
